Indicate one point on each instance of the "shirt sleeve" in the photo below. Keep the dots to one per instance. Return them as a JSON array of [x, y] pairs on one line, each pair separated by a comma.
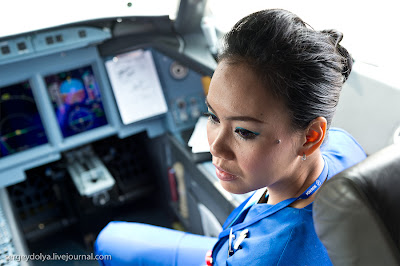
[[341, 151]]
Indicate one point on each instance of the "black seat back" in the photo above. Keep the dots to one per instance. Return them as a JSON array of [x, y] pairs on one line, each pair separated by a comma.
[[357, 212]]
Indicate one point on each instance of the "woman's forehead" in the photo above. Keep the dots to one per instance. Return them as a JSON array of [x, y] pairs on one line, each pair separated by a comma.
[[236, 89], [236, 79]]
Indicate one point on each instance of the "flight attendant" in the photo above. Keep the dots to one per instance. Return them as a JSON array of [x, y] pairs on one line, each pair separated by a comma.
[[270, 106]]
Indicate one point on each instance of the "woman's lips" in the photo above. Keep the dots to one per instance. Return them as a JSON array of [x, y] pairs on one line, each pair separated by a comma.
[[223, 175]]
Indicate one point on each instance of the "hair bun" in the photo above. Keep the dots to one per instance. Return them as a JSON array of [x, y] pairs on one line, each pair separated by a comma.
[[347, 61], [336, 36]]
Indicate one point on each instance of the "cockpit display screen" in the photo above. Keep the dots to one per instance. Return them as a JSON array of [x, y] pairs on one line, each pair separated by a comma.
[[20, 125], [76, 99]]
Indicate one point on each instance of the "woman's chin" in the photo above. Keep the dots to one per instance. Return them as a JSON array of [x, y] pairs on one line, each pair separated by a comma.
[[233, 188]]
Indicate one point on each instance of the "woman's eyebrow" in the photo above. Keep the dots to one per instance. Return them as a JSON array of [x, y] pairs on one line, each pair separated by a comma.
[[209, 106], [237, 118]]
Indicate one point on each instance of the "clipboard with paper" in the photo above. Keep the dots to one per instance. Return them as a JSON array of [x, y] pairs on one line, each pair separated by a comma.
[[136, 86]]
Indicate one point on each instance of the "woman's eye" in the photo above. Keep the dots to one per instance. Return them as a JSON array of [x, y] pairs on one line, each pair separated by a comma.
[[213, 118], [246, 134]]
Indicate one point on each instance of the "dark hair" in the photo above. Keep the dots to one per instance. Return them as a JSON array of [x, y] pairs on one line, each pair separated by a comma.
[[304, 67]]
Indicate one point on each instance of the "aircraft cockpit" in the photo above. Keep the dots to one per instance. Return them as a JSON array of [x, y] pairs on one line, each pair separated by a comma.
[[101, 119]]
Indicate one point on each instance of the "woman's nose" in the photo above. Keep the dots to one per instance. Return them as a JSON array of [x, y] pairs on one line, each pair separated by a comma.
[[220, 145]]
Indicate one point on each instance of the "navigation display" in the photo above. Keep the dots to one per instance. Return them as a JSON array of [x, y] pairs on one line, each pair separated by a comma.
[[76, 99], [20, 124]]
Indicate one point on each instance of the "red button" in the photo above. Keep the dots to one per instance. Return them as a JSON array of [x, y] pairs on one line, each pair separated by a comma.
[[209, 260]]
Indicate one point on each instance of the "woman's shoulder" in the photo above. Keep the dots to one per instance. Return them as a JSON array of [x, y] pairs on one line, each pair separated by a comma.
[[341, 151], [338, 138], [281, 222], [283, 238], [303, 246], [269, 237]]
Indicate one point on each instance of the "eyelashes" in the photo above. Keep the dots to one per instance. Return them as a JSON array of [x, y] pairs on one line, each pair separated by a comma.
[[212, 117], [246, 134], [243, 133]]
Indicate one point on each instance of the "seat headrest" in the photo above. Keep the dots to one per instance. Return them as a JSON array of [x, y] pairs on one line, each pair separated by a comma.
[[357, 212]]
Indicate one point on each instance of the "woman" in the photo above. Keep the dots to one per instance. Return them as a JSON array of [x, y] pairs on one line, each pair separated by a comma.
[[270, 105]]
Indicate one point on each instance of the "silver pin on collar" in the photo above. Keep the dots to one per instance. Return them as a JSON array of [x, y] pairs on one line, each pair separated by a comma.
[[240, 239], [231, 237]]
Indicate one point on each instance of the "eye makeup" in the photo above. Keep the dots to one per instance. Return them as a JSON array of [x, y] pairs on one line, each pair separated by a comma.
[[211, 117], [243, 133], [246, 134]]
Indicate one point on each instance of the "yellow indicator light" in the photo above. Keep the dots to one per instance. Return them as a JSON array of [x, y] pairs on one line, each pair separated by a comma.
[[206, 80], [5, 96]]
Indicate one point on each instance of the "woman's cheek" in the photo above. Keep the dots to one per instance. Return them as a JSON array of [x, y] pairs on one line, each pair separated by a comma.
[[255, 163], [249, 162]]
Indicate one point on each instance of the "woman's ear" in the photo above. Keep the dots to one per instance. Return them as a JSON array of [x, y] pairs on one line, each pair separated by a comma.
[[314, 136]]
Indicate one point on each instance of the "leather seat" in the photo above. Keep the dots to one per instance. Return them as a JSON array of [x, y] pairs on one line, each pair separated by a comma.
[[357, 212]]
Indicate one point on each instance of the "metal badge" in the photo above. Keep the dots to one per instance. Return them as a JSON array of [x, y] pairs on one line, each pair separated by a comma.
[[240, 239], [231, 237]]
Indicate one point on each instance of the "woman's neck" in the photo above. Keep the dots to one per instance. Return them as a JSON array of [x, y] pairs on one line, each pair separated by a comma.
[[307, 172]]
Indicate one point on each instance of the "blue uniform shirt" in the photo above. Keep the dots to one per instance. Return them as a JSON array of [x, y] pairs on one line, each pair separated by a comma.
[[287, 237]]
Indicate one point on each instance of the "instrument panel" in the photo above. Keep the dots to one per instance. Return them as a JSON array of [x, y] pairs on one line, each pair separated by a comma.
[[55, 98]]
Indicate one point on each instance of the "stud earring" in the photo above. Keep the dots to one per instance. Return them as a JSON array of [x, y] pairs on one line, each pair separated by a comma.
[[304, 157], [277, 141]]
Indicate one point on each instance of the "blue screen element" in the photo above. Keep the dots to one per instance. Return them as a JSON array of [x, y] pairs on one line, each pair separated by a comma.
[[20, 125], [77, 101]]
